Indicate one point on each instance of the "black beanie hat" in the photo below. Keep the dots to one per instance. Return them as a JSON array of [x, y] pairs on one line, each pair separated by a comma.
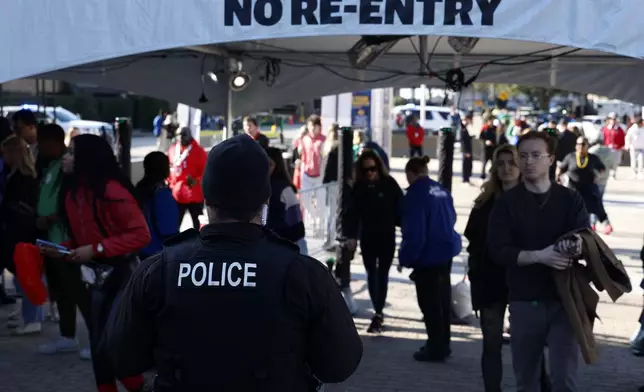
[[236, 179]]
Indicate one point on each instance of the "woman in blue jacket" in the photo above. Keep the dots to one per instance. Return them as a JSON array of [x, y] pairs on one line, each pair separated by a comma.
[[429, 243], [155, 198]]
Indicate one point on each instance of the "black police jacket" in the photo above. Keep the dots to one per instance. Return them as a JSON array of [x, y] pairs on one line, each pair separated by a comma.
[[234, 308]]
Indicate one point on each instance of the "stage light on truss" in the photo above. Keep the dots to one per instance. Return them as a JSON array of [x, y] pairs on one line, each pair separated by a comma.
[[238, 79]]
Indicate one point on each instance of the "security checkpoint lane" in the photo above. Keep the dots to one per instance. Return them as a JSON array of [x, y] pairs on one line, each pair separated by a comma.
[[387, 364]]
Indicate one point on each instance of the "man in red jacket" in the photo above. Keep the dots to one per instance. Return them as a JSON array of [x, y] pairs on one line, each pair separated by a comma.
[[614, 138], [415, 135], [187, 164]]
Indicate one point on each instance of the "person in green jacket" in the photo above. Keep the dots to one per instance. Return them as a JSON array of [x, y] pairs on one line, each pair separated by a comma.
[[65, 286]]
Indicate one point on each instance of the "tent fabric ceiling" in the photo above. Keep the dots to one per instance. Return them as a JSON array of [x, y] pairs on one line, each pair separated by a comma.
[[176, 76], [156, 47], [67, 33]]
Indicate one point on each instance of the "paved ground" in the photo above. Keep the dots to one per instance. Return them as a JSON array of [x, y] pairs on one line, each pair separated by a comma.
[[387, 364]]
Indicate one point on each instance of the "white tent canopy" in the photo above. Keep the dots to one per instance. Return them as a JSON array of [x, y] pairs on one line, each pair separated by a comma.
[[161, 48]]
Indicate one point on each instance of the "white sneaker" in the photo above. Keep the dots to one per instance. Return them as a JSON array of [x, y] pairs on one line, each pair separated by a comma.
[[28, 329], [61, 345], [85, 354], [351, 303]]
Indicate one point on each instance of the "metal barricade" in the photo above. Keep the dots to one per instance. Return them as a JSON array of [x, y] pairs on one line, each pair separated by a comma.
[[319, 207]]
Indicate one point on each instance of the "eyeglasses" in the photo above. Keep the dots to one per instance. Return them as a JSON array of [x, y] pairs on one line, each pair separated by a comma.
[[534, 156], [370, 169]]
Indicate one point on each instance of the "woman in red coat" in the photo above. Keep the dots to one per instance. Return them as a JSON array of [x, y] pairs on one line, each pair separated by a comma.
[[187, 164], [106, 230]]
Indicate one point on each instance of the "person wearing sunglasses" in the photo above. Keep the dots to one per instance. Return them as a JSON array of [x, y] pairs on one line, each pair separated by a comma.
[[373, 216]]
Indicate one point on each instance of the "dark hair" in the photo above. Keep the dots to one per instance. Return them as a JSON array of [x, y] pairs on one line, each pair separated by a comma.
[[280, 173], [250, 120], [51, 132], [25, 116], [95, 165], [5, 129], [551, 142], [314, 119], [156, 168], [417, 165], [380, 166]]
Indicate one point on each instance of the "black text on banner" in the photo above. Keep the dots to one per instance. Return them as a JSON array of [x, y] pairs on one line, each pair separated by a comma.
[[369, 12]]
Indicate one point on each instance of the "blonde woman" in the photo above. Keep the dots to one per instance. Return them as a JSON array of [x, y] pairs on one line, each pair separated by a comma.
[[489, 290], [18, 222]]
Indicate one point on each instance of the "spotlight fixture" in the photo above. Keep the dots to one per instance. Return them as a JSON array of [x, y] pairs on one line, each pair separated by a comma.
[[213, 76], [203, 98], [370, 47], [239, 79], [462, 45]]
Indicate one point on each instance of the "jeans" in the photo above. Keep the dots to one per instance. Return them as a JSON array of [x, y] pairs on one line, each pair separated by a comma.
[[535, 324], [378, 255], [492, 319], [30, 313]]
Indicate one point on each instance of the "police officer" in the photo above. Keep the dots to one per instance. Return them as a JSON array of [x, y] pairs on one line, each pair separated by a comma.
[[234, 307]]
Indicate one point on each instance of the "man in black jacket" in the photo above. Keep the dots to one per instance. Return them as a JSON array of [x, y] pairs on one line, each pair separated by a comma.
[[524, 225], [234, 308]]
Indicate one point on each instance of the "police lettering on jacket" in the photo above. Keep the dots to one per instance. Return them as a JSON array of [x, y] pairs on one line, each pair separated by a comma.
[[226, 274], [364, 12]]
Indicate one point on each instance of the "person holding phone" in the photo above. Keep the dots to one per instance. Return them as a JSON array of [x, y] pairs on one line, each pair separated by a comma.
[[107, 230], [64, 282]]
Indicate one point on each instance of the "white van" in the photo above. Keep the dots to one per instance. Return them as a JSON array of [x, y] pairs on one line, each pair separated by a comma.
[[436, 117]]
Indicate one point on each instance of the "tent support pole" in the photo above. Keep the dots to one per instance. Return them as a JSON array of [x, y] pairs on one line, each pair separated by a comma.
[[228, 132], [422, 40]]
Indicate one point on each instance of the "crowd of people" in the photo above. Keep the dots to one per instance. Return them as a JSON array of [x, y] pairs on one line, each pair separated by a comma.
[[71, 191]]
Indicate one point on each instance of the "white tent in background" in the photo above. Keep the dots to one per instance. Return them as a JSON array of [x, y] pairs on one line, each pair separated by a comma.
[[296, 50]]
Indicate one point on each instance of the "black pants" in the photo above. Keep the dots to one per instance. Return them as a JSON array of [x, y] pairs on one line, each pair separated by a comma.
[[594, 203], [377, 255], [434, 293], [195, 210], [488, 153], [415, 150], [467, 168], [101, 306], [68, 291]]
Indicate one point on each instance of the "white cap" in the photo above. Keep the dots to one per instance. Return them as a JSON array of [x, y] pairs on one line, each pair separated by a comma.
[[612, 115], [496, 122]]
